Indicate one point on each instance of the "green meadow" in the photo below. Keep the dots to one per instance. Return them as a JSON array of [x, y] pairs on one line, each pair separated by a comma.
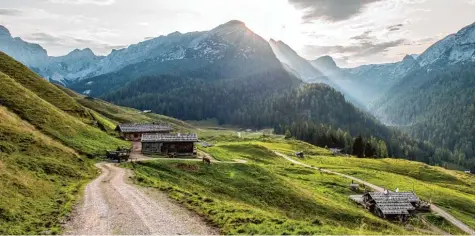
[[270, 195]]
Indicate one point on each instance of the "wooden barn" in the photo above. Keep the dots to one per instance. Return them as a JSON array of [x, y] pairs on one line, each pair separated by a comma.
[[133, 131], [391, 205], [176, 144]]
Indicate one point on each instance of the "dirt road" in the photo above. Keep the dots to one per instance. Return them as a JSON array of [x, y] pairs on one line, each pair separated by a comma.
[[434, 208], [112, 206]]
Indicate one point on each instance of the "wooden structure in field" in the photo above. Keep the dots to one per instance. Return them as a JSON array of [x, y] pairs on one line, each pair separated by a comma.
[[169, 144], [391, 205], [134, 131]]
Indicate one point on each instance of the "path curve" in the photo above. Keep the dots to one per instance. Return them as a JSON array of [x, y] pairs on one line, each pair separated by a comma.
[[433, 207], [112, 206]]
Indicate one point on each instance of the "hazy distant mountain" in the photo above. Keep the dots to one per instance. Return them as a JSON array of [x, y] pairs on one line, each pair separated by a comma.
[[326, 65], [454, 51], [299, 65], [230, 50], [435, 101], [77, 64], [29, 54]]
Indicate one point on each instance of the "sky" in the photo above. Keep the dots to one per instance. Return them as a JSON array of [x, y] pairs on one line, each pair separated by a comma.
[[353, 32]]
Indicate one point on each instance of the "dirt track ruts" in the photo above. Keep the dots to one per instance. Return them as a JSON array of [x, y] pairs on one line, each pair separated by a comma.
[[112, 206]]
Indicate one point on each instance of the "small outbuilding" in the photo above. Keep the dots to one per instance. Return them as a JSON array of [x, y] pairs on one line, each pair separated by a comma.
[[134, 131], [336, 151], [354, 187], [300, 154], [176, 144]]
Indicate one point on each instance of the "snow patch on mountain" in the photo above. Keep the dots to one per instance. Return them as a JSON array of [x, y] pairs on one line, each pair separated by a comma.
[[452, 49]]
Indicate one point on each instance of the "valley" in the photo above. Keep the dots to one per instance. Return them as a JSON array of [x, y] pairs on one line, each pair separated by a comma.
[[283, 142], [271, 195]]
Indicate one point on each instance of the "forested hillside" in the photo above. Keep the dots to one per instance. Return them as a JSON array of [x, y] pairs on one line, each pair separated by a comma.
[[315, 113], [436, 105]]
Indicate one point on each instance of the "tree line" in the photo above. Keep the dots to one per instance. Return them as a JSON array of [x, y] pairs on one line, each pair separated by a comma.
[[315, 113]]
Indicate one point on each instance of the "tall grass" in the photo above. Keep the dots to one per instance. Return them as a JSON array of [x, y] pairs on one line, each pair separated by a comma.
[[53, 121], [42, 88], [39, 178]]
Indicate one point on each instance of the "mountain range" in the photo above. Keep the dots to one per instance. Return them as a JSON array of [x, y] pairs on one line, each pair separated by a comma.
[[234, 75], [362, 85]]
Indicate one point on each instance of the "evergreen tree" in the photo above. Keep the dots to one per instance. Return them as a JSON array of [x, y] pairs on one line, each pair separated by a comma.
[[369, 150], [382, 149], [287, 134], [359, 149]]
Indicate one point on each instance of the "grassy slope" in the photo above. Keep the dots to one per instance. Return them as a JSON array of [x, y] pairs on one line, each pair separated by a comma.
[[267, 195], [452, 190], [43, 132], [44, 89], [120, 114], [53, 121], [39, 178]]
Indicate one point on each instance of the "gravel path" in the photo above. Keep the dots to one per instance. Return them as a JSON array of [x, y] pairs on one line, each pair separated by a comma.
[[112, 206], [434, 208]]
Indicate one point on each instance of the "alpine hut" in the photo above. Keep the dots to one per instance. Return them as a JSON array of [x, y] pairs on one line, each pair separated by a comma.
[[391, 205], [177, 144], [134, 131]]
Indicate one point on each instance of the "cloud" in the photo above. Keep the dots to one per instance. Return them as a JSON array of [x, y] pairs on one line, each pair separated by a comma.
[[365, 36], [425, 40], [331, 10], [10, 12], [395, 27], [366, 45], [43, 38], [80, 2], [27, 13], [72, 42]]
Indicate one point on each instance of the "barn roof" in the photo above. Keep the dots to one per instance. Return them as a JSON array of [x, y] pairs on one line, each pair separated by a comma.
[[394, 196], [394, 202], [169, 138], [135, 128]]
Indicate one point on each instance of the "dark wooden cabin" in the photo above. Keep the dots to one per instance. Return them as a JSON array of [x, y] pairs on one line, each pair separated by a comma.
[[133, 132], [391, 205], [177, 144]]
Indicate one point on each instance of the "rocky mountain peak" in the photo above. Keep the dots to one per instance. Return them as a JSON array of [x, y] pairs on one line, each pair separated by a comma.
[[229, 27], [235, 23], [174, 34], [408, 58], [326, 60], [4, 31], [86, 52]]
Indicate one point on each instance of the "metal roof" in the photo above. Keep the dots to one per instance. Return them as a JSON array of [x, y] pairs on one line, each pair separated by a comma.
[[169, 138], [394, 196], [137, 128], [394, 202]]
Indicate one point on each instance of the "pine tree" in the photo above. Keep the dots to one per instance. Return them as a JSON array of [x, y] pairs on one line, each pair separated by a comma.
[[287, 134], [369, 150], [359, 148]]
